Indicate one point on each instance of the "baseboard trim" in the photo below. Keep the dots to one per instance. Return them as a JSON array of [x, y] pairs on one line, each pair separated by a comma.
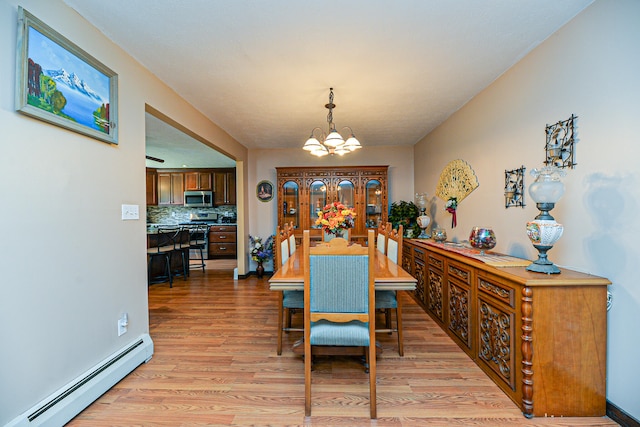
[[620, 416], [71, 399]]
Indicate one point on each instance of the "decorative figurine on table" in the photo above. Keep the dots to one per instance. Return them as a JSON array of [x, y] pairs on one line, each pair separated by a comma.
[[423, 220]]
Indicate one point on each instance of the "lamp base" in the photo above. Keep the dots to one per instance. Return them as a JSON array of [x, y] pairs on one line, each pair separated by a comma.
[[542, 264]]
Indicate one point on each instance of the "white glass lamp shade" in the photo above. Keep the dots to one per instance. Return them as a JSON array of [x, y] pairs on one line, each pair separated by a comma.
[[341, 151], [352, 143], [334, 139], [312, 144], [547, 188], [320, 151]]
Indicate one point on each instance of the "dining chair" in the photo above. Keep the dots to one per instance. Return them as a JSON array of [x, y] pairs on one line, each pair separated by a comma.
[[292, 238], [381, 238], [389, 300], [288, 300], [339, 303]]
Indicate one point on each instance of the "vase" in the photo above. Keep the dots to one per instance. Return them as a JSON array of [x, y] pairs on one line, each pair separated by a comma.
[[343, 233], [482, 238], [260, 270]]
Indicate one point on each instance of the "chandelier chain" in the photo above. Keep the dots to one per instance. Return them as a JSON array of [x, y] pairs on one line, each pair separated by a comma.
[[330, 106]]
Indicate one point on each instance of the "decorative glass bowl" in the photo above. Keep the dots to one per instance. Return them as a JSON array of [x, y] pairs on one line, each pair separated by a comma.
[[439, 234], [482, 238]]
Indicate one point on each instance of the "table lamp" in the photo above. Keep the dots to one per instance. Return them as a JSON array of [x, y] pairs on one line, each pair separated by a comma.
[[544, 231]]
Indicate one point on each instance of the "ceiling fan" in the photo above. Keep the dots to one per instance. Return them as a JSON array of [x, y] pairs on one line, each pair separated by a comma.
[[155, 159]]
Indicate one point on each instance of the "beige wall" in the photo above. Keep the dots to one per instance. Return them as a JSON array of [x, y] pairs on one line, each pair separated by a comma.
[[262, 163], [71, 266], [589, 68]]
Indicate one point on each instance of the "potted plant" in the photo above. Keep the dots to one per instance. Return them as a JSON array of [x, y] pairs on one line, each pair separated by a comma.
[[405, 213]]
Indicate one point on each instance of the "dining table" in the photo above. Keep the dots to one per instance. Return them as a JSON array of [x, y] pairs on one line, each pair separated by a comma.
[[388, 275]]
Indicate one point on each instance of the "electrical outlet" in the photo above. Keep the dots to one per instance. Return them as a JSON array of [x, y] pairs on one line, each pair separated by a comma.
[[123, 322]]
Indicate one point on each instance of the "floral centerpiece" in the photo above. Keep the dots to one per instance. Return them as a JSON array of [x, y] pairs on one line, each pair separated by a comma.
[[336, 217], [261, 252], [451, 206]]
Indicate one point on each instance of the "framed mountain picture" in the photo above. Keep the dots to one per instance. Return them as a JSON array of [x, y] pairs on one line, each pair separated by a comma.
[[60, 83]]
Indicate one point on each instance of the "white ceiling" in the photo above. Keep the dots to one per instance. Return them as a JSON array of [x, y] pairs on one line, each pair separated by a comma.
[[261, 70]]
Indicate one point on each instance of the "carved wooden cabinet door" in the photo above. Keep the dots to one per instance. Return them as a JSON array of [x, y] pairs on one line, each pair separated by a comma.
[[435, 287], [497, 329], [460, 309]]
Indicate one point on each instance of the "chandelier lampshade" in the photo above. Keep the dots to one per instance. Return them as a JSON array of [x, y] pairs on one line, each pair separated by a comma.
[[321, 144]]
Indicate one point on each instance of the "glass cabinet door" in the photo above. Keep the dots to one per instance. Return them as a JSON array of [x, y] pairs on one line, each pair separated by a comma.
[[291, 203], [317, 201], [346, 193], [373, 194]]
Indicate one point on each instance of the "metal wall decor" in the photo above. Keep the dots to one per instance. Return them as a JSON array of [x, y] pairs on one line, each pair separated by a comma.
[[560, 144], [514, 187]]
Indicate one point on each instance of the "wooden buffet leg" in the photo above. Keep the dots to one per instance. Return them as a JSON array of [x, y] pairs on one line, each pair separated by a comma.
[[527, 352]]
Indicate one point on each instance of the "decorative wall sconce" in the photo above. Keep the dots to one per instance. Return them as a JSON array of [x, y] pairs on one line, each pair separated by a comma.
[[514, 187], [561, 139]]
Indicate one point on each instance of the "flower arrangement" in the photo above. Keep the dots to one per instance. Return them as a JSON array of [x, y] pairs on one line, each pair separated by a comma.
[[335, 217], [260, 252], [451, 206]]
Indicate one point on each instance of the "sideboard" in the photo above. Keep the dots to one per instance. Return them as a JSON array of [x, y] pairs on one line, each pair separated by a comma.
[[541, 338]]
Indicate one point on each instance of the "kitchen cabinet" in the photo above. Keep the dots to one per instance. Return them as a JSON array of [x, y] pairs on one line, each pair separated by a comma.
[[222, 241], [304, 191], [170, 188], [224, 182], [152, 187], [541, 338], [196, 180]]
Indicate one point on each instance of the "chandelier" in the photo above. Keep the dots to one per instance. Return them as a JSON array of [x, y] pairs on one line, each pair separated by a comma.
[[333, 143]]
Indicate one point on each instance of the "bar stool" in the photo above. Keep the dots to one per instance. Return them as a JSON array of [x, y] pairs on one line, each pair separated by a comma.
[[162, 248], [198, 241]]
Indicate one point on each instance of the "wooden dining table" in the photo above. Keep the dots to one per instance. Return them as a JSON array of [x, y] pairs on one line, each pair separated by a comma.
[[388, 276]]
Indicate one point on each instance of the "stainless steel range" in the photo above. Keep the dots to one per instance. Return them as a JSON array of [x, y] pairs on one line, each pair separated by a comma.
[[202, 218]]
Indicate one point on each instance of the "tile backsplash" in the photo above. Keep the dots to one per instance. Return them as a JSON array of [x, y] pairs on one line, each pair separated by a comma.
[[172, 215]]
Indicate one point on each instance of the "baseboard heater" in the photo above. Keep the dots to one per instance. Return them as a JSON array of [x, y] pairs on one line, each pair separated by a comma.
[[60, 407]]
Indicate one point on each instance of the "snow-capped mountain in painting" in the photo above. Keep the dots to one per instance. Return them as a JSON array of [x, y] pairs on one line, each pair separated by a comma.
[[73, 82]]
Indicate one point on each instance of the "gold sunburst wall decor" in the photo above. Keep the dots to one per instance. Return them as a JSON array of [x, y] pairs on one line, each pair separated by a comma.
[[457, 181]]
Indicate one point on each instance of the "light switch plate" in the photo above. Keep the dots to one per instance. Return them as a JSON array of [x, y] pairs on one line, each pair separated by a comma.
[[130, 212]]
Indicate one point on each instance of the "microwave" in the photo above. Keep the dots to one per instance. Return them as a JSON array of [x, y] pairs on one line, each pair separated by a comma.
[[198, 199]]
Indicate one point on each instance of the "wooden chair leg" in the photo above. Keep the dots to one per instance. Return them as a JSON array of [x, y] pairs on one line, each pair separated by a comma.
[[399, 324], [371, 355], [280, 315], [287, 315], [307, 378]]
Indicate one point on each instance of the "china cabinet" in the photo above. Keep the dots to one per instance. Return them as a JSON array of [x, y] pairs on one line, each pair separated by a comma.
[[304, 191], [541, 338]]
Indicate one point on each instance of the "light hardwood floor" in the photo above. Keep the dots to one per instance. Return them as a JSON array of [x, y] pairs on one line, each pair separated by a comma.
[[215, 363]]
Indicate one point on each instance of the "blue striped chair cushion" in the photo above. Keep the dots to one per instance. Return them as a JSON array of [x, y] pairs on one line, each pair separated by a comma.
[[386, 299], [352, 333], [343, 275], [293, 299]]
